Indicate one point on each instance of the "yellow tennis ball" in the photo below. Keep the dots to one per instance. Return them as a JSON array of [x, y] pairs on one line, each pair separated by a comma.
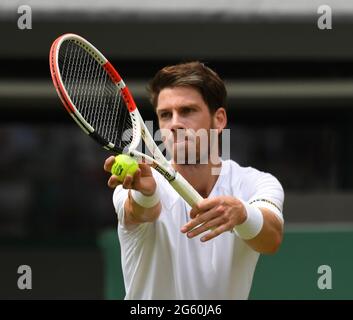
[[124, 165]]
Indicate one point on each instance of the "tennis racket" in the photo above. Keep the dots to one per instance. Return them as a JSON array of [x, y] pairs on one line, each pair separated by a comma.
[[97, 98]]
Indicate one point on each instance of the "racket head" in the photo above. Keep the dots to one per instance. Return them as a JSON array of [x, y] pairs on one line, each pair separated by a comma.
[[96, 97], [94, 94]]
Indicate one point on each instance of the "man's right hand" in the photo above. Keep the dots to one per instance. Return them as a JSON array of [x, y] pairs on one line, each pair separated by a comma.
[[142, 180]]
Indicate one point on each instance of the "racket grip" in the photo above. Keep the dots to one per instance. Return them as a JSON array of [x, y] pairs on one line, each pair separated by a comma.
[[186, 190]]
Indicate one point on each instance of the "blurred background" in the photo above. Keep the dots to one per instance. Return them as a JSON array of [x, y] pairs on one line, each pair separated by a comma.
[[290, 89]]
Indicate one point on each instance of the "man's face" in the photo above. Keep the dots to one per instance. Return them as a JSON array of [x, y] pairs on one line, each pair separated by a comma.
[[185, 122]]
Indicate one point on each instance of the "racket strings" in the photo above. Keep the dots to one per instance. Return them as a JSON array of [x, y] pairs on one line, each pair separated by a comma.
[[94, 94]]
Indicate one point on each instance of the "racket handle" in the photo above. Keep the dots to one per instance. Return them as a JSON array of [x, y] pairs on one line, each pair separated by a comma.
[[186, 190]]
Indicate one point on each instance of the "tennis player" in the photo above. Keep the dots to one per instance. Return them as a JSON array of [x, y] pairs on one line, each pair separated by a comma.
[[172, 251]]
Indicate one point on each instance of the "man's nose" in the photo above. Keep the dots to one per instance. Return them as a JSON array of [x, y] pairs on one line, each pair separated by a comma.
[[176, 122]]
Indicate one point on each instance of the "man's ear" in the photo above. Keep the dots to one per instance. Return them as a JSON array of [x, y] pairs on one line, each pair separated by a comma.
[[220, 119]]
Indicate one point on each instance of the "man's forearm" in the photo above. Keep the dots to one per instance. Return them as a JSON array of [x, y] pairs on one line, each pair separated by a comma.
[[136, 214], [270, 236]]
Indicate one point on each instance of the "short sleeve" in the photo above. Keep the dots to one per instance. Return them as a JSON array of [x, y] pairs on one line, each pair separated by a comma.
[[267, 193]]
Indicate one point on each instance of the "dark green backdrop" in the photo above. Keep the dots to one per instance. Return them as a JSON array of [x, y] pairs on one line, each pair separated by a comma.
[[292, 273]]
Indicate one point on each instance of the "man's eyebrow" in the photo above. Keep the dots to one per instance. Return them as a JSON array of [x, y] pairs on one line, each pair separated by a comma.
[[191, 105], [163, 109]]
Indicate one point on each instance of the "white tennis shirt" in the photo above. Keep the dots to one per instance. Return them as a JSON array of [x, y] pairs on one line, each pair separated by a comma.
[[160, 262]]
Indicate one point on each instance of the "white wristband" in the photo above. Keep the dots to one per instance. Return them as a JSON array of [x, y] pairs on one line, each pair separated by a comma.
[[252, 226], [145, 201]]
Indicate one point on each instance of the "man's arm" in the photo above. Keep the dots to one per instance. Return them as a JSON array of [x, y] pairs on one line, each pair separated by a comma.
[[143, 182], [270, 237], [136, 214], [220, 214]]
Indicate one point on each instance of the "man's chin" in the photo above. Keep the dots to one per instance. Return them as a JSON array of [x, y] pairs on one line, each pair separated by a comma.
[[180, 153], [183, 158]]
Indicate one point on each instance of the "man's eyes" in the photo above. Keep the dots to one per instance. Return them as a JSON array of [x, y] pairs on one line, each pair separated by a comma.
[[165, 115], [184, 111]]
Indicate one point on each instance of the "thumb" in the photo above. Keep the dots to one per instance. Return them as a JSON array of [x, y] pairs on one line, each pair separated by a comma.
[[145, 169]]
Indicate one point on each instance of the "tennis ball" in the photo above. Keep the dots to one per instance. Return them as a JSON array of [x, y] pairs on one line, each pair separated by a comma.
[[124, 165]]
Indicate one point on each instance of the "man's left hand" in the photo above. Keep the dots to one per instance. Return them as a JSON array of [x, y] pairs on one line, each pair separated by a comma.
[[218, 214]]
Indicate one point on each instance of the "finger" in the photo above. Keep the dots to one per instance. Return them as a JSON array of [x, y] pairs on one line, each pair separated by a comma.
[[146, 162], [211, 214], [136, 179], [109, 163], [207, 204], [137, 174], [205, 216], [216, 232], [209, 225], [113, 182], [194, 212], [145, 169], [127, 183], [203, 207]]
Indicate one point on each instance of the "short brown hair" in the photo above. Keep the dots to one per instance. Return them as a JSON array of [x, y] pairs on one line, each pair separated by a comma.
[[194, 74]]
